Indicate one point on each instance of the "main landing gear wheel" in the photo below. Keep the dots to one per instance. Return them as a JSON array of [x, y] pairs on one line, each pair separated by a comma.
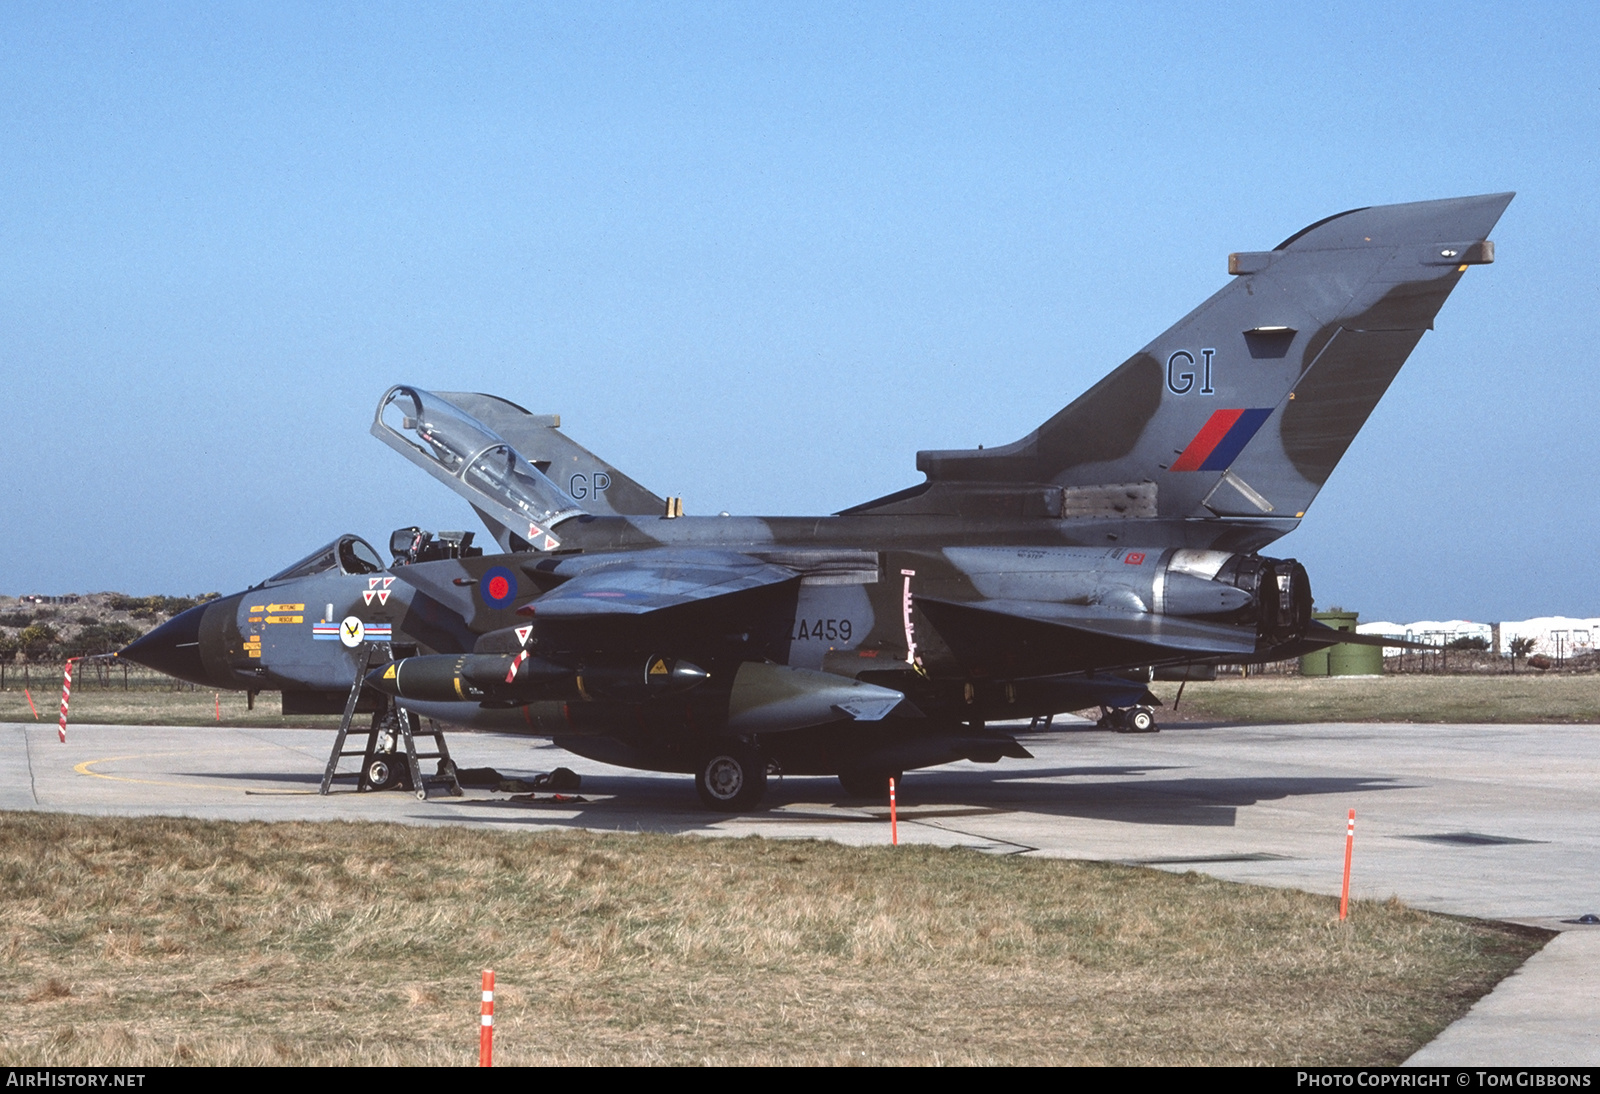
[[730, 780], [869, 784]]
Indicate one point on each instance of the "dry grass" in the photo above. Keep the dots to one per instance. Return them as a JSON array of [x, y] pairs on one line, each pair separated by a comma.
[[155, 941], [1412, 698]]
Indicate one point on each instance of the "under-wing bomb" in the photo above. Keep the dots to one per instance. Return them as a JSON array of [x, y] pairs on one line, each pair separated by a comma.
[[1015, 581], [511, 678]]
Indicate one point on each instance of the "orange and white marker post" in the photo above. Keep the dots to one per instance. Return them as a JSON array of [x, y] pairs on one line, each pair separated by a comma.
[[31, 707], [486, 1022], [894, 821], [216, 697], [66, 694], [1349, 846]]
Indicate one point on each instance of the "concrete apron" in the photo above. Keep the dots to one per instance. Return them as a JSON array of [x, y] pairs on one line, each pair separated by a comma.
[[1498, 822]]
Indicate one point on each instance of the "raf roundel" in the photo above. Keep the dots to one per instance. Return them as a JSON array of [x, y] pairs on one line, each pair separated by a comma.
[[498, 587]]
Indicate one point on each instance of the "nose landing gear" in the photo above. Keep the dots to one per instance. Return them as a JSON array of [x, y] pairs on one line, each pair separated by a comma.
[[1128, 719]]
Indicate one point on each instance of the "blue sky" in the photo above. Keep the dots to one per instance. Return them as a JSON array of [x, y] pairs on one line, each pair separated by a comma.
[[757, 255]]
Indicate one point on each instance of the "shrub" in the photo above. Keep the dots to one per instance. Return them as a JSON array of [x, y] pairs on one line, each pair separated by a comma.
[[148, 607], [38, 641], [105, 637]]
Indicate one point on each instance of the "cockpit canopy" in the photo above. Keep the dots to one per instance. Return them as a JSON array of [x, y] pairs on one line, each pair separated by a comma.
[[476, 463], [348, 554]]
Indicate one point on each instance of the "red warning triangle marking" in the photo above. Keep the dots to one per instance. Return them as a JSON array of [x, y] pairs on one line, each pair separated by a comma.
[[387, 582], [522, 634], [383, 596], [551, 543], [372, 583], [367, 595]]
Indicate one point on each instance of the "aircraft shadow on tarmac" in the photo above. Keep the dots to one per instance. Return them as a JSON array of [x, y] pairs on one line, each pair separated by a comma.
[[1115, 793], [668, 805], [659, 791]]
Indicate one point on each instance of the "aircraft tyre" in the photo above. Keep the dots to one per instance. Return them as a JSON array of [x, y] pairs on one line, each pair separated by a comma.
[[1135, 720], [731, 779], [869, 784], [384, 772]]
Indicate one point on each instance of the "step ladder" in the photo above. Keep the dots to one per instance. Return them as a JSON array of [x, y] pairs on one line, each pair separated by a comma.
[[394, 733]]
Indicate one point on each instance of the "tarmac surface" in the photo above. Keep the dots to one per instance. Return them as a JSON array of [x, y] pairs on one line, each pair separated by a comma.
[[1493, 821]]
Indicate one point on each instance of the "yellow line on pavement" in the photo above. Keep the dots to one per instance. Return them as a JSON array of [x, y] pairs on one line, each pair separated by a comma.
[[83, 769]]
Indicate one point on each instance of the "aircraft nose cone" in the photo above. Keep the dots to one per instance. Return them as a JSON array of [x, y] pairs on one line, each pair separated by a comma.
[[173, 647]]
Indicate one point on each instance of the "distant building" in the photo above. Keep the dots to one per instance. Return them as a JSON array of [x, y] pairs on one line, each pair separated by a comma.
[[1553, 635]]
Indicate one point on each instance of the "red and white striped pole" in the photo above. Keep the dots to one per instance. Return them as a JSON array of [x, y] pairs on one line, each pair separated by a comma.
[[31, 707], [894, 821], [486, 1022], [66, 694], [1349, 846]]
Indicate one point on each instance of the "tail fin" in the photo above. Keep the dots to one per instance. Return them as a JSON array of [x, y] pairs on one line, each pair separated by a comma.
[[601, 488], [1242, 409]]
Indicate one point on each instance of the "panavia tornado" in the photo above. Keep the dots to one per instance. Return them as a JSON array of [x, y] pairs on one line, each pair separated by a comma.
[[1039, 577]]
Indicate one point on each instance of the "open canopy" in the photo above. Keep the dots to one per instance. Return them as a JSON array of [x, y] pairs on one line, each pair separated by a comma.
[[475, 462]]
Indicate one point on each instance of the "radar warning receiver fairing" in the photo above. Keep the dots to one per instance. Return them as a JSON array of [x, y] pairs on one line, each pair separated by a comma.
[[1043, 576]]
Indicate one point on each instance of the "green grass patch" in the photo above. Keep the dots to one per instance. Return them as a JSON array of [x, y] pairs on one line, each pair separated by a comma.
[[1402, 698], [147, 941], [157, 706]]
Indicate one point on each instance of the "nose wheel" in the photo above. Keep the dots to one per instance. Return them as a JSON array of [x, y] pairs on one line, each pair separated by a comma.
[[383, 773], [1129, 719]]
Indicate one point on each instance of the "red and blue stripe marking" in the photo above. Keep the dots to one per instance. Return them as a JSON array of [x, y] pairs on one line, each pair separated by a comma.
[[1220, 440]]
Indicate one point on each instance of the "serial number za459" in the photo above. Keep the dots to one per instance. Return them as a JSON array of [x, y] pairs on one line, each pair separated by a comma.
[[824, 630]]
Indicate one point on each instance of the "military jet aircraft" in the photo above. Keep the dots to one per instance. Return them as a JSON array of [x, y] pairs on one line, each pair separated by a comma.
[[1013, 582]]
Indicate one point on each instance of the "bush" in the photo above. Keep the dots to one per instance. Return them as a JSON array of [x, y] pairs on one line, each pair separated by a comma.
[[38, 641], [1468, 642], [148, 607], [105, 637]]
